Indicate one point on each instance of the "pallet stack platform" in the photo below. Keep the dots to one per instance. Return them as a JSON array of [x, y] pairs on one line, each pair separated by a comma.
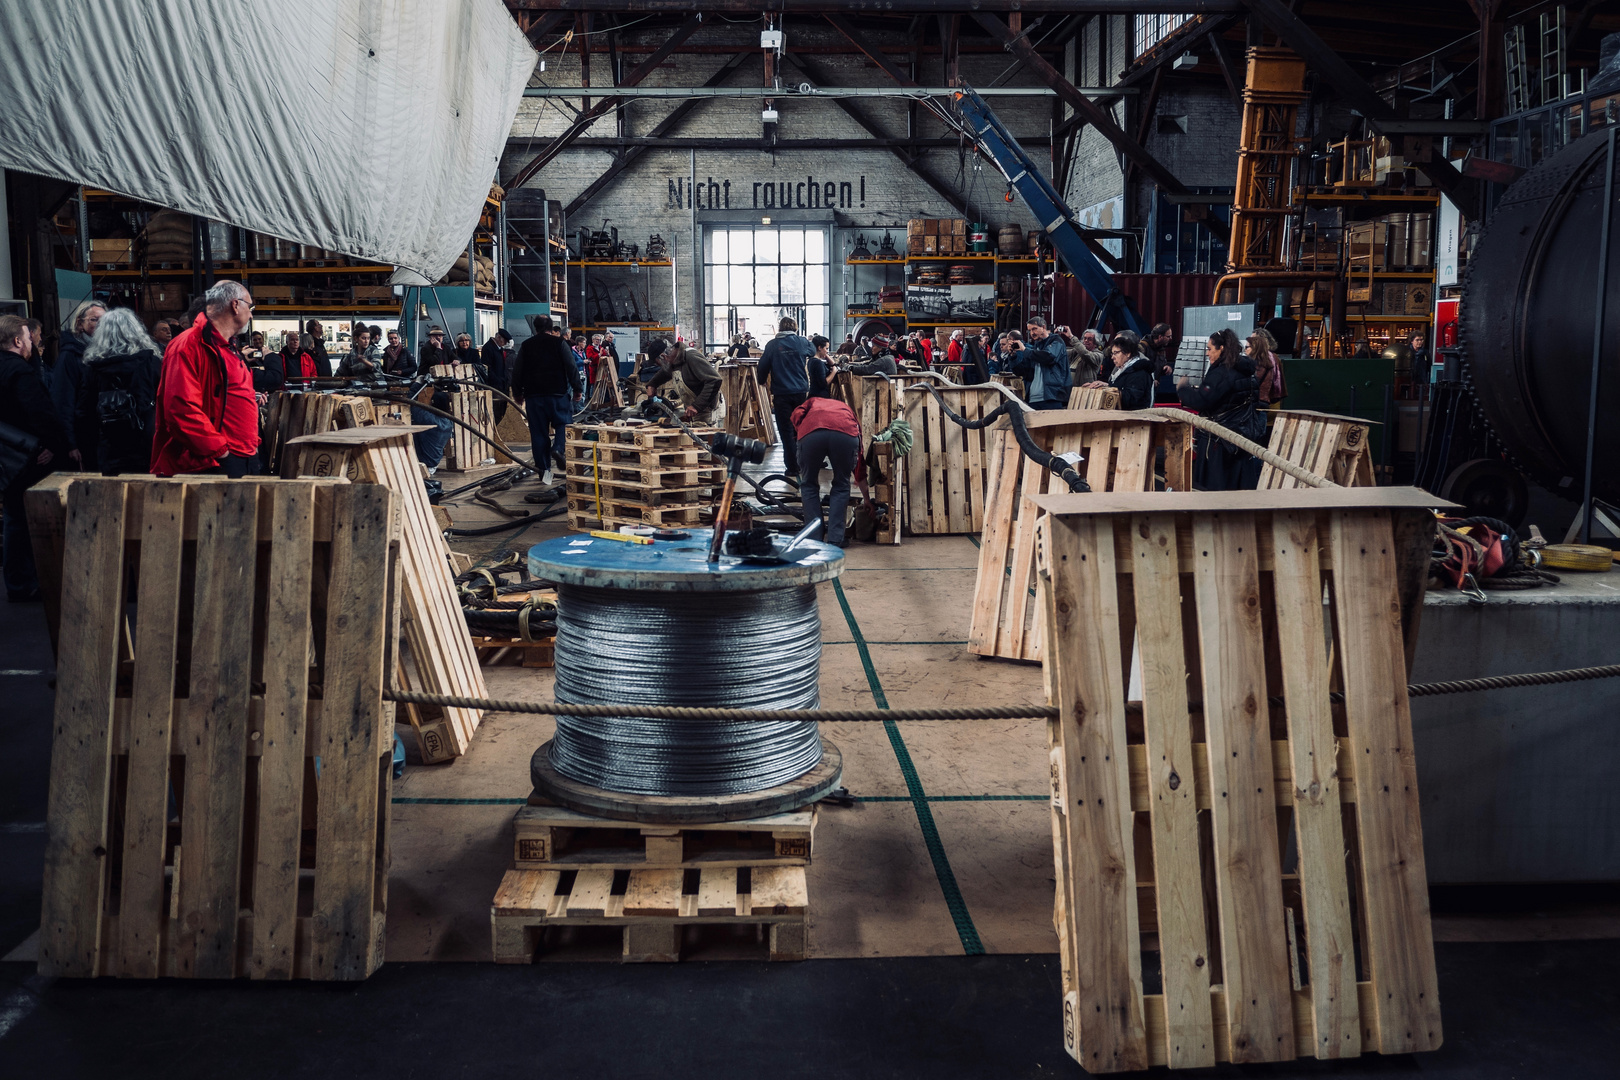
[[653, 882], [640, 475]]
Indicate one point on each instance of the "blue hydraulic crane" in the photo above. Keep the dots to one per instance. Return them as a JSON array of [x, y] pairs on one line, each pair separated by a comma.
[[1049, 208]]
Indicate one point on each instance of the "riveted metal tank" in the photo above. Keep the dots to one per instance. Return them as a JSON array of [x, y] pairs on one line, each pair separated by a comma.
[[1529, 305]]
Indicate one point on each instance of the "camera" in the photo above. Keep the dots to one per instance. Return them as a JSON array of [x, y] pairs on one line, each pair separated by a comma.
[[738, 448]]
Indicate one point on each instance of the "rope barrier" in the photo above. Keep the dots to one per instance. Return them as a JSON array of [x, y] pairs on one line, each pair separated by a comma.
[[855, 716]]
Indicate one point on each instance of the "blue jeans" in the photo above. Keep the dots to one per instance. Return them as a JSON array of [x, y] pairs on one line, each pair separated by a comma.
[[430, 444], [549, 417], [21, 580]]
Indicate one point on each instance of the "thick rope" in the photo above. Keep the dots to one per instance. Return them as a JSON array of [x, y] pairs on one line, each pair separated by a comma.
[[855, 716]]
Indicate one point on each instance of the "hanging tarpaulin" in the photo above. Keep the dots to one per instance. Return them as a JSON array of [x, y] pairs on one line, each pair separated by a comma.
[[368, 127]]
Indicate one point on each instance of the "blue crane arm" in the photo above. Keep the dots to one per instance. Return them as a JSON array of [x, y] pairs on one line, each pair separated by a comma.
[[1049, 208]]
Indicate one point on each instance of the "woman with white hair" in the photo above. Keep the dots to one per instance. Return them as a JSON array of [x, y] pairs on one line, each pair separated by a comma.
[[118, 396]]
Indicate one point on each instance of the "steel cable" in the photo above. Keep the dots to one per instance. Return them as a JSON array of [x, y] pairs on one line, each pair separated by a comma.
[[747, 651]]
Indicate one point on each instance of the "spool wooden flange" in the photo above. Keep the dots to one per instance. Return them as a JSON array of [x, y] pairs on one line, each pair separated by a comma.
[[686, 809]]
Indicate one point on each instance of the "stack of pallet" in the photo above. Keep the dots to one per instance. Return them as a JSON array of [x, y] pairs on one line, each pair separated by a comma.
[[295, 413], [638, 475], [220, 771], [567, 868], [440, 659]]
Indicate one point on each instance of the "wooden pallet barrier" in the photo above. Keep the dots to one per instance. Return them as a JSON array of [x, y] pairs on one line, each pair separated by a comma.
[[1236, 881], [1118, 452], [294, 413], [190, 832], [748, 404], [948, 467], [1334, 447], [440, 657]]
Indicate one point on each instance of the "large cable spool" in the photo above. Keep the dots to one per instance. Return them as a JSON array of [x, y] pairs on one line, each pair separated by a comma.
[[1528, 310], [658, 624]]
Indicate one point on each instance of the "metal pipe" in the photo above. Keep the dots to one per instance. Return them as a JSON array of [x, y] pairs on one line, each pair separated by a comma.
[[813, 92], [1597, 337]]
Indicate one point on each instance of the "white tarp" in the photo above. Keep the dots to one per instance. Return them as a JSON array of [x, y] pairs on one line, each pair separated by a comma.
[[368, 127]]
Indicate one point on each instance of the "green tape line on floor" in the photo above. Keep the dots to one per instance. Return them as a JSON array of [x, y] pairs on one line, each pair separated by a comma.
[[919, 800]]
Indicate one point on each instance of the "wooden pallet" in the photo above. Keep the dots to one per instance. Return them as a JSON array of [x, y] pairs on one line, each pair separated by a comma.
[[466, 450], [647, 438], [1094, 397], [581, 491], [1237, 883], [948, 466], [294, 413], [189, 832], [651, 907], [496, 652], [1334, 447], [748, 404], [644, 477], [584, 515], [440, 657], [555, 838], [1119, 450]]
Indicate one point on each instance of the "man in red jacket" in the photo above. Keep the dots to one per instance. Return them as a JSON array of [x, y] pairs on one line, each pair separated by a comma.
[[200, 427]]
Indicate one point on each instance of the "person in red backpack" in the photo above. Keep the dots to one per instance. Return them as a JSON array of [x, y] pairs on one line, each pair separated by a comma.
[[828, 433], [201, 423]]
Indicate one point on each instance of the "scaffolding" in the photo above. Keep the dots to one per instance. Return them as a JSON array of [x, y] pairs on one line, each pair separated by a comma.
[[1267, 155]]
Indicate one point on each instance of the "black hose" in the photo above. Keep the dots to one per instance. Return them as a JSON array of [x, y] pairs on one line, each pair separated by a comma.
[[1050, 462], [487, 436]]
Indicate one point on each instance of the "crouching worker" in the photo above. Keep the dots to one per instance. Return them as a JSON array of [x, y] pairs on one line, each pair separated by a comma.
[[828, 434], [696, 382]]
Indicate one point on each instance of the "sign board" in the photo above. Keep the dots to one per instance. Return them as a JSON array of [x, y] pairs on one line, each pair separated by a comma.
[[1448, 248], [626, 342]]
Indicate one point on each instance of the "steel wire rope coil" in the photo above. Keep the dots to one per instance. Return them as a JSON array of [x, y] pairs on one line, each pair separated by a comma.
[[748, 650]]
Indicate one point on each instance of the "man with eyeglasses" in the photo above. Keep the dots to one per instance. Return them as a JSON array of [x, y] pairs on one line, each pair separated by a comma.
[[207, 416]]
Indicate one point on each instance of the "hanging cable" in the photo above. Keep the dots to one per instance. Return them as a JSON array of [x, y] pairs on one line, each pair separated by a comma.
[[751, 650]]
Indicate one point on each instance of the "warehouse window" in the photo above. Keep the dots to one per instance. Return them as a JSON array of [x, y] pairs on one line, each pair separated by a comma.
[[1152, 29], [752, 278]]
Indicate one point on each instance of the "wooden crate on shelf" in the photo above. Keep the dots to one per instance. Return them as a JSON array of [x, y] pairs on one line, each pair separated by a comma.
[[1267, 864], [190, 832], [1332, 447], [1117, 454]]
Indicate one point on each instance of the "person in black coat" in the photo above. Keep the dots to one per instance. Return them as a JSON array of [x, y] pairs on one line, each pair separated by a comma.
[[546, 382], [1229, 395], [114, 419], [497, 361], [26, 404], [323, 363], [1129, 370]]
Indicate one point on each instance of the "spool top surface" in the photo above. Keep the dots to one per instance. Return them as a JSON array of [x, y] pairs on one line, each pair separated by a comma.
[[675, 565]]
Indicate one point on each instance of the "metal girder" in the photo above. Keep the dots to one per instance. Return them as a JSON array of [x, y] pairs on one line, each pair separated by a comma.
[[640, 146], [1354, 91], [1095, 116], [1231, 72], [911, 161], [546, 24], [875, 55], [592, 114]]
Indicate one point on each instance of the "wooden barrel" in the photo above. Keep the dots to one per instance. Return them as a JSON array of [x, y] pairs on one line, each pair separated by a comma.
[[1010, 240], [1037, 241]]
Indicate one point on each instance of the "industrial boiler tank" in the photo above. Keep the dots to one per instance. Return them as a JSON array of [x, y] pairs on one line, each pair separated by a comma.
[[1529, 309]]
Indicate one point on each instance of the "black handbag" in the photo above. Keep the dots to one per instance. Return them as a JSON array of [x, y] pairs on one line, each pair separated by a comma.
[[1244, 418], [18, 449]]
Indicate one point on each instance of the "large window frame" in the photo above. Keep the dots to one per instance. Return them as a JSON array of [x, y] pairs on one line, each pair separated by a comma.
[[754, 273]]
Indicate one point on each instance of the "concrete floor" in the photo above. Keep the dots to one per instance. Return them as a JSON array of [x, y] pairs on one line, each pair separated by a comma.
[[947, 856]]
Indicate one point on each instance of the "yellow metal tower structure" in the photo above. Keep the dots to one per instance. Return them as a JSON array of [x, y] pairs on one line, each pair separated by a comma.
[[1273, 91]]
